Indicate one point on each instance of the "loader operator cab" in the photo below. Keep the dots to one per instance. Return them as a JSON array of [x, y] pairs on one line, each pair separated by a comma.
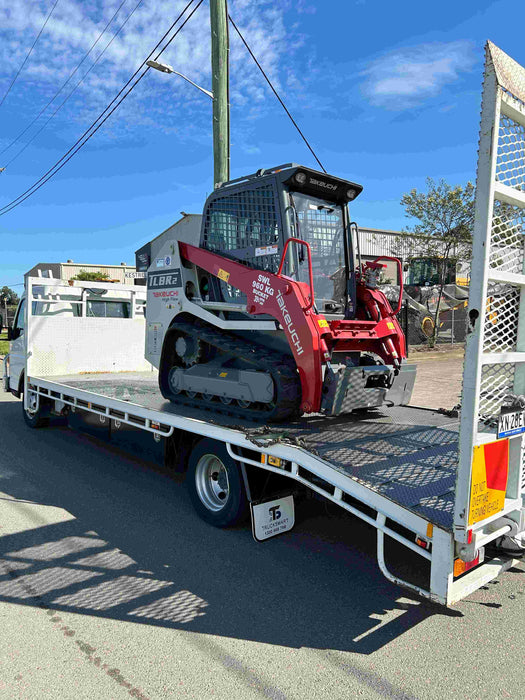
[[251, 218]]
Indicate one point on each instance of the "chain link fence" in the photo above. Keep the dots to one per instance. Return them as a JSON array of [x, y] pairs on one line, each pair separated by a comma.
[[418, 325], [418, 312]]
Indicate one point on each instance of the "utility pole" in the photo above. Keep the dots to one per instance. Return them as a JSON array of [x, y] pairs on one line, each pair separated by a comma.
[[220, 72]]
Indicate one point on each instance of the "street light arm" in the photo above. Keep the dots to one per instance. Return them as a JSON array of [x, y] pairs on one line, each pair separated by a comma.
[[206, 92]]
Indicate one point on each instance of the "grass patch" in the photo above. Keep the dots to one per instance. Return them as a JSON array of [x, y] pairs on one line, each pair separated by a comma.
[[4, 345]]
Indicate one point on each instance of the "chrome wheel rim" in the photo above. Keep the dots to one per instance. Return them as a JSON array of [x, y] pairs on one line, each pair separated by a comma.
[[211, 481]]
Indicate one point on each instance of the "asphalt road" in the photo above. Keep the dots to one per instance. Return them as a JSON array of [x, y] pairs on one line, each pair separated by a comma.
[[111, 587]]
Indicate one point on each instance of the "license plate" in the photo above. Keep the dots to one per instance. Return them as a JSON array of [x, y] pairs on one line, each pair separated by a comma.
[[272, 518], [511, 424]]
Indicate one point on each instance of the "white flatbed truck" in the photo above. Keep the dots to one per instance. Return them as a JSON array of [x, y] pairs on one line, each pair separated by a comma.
[[444, 488]]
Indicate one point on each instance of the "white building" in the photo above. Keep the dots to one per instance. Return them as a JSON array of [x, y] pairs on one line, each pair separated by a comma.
[[123, 274]]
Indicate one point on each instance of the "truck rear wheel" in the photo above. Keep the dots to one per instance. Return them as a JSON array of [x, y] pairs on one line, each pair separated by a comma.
[[37, 414], [215, 485]]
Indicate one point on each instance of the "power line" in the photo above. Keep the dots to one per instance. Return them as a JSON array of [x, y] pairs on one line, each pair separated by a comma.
[[57, 93], [82, 140], [29, 53], [76, 86], [276, 93]]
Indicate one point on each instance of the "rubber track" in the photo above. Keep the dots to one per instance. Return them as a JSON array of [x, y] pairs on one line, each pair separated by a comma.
[[283, 371]]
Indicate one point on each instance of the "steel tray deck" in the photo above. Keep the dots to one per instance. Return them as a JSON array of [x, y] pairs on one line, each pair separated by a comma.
[[407, 454]]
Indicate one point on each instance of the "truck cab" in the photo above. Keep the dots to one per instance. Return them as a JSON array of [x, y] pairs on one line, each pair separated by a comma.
[[101, 300], [15, 361]]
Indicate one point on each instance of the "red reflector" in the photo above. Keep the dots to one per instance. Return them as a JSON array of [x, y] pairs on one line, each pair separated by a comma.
[[422, 542], [469, 536]]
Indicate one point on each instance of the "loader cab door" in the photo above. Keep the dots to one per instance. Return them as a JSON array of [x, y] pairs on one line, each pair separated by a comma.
[[323, 225]]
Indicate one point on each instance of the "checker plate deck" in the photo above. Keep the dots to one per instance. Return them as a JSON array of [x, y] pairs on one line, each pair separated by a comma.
[[408, 455]]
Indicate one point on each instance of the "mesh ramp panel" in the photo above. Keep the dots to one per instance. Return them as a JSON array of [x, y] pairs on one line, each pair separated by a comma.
[[510, 164], [494, 370], [506, 243]]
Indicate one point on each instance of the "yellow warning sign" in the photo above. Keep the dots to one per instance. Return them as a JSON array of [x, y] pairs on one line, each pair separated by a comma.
[[223, 275], [490, 467], [390, 325], [323, 323]]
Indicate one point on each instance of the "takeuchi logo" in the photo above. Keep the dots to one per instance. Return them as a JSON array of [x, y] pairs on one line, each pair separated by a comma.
[[289, 323], [320, 183]]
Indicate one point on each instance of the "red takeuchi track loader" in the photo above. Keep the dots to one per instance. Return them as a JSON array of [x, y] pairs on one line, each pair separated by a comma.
[[261, 308]]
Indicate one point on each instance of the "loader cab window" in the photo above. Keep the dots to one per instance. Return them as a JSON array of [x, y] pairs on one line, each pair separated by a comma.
[[320, 223], [427, 271]]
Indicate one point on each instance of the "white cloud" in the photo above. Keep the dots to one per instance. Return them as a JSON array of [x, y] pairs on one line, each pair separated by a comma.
[[164, 100], [408, 76]]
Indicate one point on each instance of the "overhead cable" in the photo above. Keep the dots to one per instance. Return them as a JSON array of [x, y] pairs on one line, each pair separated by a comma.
[[82, 140], [57, 93], [276, 93], [75, 87], [28, 54]]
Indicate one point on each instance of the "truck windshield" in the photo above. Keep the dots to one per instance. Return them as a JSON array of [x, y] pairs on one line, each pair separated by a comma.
[[320, 223]]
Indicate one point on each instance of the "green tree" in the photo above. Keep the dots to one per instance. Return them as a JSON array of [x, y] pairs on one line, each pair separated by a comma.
[[7, 298], [444, 232], [91, 276]]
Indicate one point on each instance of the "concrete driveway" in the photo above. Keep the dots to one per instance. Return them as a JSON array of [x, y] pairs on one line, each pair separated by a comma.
[[439, 377]]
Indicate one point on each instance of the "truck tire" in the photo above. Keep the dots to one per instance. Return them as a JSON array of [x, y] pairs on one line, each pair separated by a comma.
[[215, 484], [38, 418]]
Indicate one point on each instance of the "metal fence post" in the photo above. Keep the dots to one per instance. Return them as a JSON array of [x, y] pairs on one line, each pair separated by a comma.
[[406, 324]]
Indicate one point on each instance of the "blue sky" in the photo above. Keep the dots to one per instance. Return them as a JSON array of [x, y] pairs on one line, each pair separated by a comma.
[[387, 93]]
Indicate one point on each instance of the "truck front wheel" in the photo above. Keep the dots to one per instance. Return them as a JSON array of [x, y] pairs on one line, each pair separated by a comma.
[[215, 484]]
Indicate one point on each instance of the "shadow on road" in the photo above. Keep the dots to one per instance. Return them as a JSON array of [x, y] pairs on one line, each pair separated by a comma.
[[136, 551]]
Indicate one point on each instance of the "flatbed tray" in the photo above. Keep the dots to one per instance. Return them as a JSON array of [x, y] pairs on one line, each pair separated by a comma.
[[407, 454]]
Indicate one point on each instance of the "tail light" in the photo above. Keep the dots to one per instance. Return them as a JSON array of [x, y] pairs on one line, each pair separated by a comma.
[[461, 567]]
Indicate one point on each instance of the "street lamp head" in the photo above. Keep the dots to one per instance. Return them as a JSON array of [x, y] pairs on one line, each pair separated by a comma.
[[163, 67]]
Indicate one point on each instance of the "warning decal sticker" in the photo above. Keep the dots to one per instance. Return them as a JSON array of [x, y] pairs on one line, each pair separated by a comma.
[[223, 275], [490, 470]]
